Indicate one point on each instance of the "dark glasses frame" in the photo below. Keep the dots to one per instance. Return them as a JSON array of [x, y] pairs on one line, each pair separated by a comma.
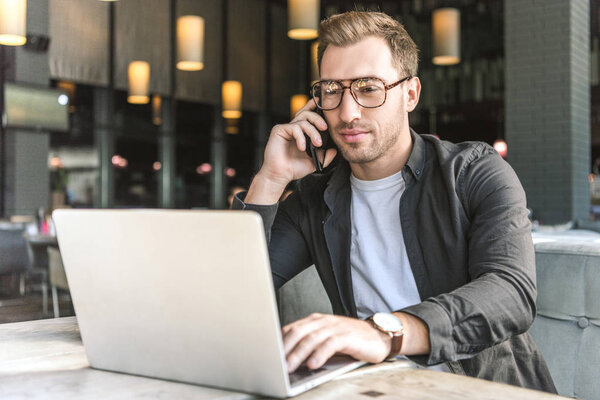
[[344, 87]]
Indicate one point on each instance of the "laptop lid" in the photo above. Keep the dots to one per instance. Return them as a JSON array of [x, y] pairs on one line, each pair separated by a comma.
[[180, 295]]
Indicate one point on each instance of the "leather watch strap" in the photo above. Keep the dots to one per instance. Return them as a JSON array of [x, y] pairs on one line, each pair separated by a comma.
[[396, 345], [396, 338]]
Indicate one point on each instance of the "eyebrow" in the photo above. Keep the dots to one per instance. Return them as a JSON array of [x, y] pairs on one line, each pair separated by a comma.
[[353, 79]]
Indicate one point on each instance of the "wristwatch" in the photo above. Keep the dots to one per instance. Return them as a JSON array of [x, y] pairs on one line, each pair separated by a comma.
[[390, 325]]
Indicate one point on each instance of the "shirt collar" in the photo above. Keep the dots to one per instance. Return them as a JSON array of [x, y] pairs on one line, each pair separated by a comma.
[[416, 160], [339, 182]]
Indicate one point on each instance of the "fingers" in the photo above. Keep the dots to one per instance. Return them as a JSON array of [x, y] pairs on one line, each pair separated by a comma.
[[318, 337], [295, 331], [315, 119], [307, 113], [285, 152], [303, 337], [298, 135], [312, 132], [297, 131], [308, 344], [328, 348], [305, 122]]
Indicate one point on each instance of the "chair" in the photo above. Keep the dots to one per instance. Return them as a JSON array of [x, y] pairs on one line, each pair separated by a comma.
[[58, 278], [567, 326], [38, 266], [13, 252]]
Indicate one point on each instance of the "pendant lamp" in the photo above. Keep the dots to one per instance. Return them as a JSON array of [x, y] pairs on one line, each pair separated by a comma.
[[13, 22], [190, 43], [138, 75], [231, 91], [303, 19], [446, 36]]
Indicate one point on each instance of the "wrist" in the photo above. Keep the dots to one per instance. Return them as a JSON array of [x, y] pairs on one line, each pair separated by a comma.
[[416, 335], [264, 190], [391, 327]]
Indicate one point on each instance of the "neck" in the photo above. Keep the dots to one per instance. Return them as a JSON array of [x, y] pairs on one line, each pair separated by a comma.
[[389, 163]]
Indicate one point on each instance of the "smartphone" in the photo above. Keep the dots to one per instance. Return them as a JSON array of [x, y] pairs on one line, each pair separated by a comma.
[[311, 150]]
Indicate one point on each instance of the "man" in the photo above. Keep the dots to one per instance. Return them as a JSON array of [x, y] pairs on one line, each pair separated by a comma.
[[425, 233]]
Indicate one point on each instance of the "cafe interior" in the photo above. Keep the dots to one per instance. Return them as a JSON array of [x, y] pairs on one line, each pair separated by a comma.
[[168, 104]]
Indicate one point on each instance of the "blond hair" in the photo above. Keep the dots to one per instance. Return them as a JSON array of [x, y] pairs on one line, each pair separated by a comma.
[[353, 26]]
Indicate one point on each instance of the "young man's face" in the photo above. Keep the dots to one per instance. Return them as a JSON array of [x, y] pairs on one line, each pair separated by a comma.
[[363, 134]]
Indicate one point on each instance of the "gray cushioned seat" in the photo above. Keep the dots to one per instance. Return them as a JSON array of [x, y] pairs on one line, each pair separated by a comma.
[[567, 327]]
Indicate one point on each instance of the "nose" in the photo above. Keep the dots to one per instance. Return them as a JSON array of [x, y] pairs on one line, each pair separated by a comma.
[[349, 108]]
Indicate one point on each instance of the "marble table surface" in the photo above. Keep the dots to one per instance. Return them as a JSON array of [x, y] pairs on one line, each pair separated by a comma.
[[45, 360]]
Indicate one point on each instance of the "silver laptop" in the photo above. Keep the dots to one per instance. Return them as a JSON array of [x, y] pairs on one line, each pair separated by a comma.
[[180, 295]]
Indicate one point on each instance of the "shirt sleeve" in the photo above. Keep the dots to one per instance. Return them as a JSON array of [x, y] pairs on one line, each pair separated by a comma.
[[267, 212], [499, 301], [289, 253]]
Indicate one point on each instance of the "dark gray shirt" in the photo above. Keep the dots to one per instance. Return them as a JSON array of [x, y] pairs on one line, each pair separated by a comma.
[[468, 238]]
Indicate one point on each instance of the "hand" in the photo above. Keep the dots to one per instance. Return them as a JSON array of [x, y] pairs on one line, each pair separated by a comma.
[[318, 337], [285, 157]]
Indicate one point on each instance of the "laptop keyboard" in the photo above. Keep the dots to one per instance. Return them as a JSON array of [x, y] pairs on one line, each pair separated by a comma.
[[303, 372]]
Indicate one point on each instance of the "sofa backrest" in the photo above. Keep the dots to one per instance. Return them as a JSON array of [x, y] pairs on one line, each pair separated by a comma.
[[567, 325], [301, 296]]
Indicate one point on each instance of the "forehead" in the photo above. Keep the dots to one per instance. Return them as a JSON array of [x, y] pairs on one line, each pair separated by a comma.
[[369, 57]]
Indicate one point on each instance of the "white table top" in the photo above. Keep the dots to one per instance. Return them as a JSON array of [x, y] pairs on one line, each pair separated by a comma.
[[45, 360]]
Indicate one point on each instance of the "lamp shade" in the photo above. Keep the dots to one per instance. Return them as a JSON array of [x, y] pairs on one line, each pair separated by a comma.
[[231, 92], [297, 102], [138, 75], [190, 43], [446, 36], [303, 19], [13, 17]]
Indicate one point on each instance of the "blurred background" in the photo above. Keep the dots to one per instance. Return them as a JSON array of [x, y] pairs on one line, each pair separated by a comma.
[[123, 103]]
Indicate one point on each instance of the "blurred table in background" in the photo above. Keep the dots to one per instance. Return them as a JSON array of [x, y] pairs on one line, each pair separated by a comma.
[[43, 240]]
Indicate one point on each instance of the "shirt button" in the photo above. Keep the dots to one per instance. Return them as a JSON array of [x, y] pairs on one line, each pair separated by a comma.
[[418, 171]]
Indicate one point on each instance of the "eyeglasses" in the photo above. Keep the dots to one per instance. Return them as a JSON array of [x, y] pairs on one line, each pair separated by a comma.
[[367, 92]]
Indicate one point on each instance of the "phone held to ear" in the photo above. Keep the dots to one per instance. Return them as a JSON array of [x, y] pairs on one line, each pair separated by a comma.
[[311, 150]]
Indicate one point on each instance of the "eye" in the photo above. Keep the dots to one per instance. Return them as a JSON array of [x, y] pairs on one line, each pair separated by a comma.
[[331, 88], [368, 86], [367, 89]]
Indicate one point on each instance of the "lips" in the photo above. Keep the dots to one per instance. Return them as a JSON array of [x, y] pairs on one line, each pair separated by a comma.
[[352, 135]]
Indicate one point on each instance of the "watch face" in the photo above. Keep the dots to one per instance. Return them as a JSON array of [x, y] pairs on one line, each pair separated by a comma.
[[387, 322]]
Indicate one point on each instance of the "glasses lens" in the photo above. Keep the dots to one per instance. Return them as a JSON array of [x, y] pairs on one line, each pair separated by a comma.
[[327, 94], [369, 92]]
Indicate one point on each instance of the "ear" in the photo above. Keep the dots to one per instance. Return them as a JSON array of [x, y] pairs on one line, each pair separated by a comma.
[[413, 92]]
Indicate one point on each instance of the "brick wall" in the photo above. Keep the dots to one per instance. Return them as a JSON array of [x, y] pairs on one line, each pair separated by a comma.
[[32, 66], [548, 104], [28, 181], [27, 177]]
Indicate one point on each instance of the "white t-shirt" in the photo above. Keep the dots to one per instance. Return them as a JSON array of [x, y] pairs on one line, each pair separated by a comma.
[[381, 276], [382, 279]]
